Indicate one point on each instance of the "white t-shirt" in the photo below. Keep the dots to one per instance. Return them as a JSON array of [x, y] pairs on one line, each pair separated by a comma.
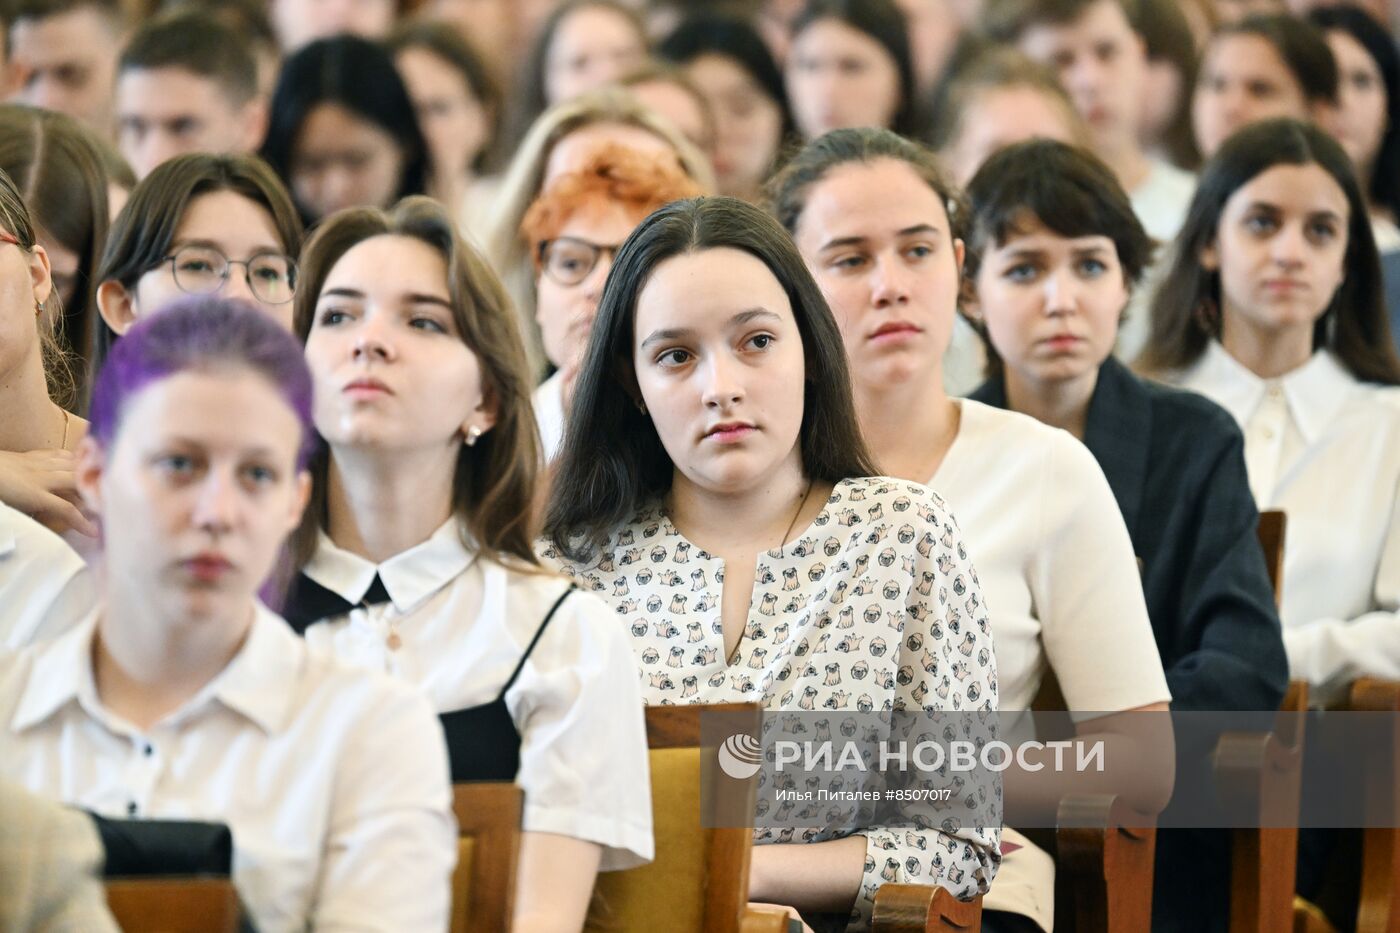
[[1325, 449], [334, 783], [45, 586], [463, 623], [874, 606], [1062, 587], [548, 402]]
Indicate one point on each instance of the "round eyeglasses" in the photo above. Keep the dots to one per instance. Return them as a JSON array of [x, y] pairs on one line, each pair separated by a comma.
[[203, 270], [568, 260]]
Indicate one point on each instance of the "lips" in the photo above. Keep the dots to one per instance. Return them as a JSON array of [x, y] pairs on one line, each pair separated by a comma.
[[1062, 342], [208, 566], [729, 432], [366, 387], [894, 330]]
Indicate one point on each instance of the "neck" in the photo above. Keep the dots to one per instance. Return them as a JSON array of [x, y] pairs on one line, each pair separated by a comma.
[[381, 503], [1062, 403], [1128, 162], [147, 668], [909, 425], [1267, 354], [706, 517], [29, 420]]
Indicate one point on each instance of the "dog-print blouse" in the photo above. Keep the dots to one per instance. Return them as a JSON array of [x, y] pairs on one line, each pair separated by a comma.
[[874, 606]]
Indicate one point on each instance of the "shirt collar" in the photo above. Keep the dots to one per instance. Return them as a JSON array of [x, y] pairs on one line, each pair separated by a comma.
[[258, 683], [1314, 391], [410, 577]]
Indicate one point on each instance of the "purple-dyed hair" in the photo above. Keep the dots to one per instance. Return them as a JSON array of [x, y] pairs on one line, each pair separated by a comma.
[[202, 333]]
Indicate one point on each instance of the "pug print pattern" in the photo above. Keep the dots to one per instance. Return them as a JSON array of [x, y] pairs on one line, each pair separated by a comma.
[[875, 606]]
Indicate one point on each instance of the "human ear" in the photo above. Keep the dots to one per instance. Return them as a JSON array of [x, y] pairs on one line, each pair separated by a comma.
[[117, 306], [1210, 257], [300, 497], [87, 474], [40, 273]]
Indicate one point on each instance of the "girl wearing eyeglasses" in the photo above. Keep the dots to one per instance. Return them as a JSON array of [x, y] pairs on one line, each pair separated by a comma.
[[574, 229], [200, 224]]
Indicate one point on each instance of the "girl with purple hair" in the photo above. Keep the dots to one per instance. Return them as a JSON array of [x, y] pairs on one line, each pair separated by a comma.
[[183, 697]]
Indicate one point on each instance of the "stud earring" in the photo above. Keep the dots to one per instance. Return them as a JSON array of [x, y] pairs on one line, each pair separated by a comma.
[[473, 435], [38, 308]]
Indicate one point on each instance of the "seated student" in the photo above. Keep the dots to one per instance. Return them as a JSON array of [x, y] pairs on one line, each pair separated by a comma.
[[59, 166], [1053, 252], [561, 141], [37, 434], [1274, 310], [342, 131], [712, 422], [1259, 68], [63, 57], [248, 18], [186, 83], [417, 552], [200, 224], [181, 696], [996, 98], [575, 228], [875, 221]]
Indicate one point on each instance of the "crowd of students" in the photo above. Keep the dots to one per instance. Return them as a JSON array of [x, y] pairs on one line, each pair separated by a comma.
[[398, 396]]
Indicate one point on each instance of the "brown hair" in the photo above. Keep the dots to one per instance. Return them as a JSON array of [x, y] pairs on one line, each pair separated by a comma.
[[992, 69], [494, 486], [56, 164], [14, 219], [613, 174]]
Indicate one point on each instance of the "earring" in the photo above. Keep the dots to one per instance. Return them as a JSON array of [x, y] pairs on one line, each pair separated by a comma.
[[473, 435], [642, 407], [38, 308]]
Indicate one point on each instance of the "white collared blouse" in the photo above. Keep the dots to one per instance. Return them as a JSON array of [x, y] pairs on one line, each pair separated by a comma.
[[45, 585], [463, 622], [333, 783], [1324, 448], [874, 606]]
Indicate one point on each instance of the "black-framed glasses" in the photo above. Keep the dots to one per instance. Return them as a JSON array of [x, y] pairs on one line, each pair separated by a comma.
[[203, 270], [568, 260]]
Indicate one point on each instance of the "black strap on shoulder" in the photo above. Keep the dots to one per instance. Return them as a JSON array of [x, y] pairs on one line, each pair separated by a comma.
[[536, 640]]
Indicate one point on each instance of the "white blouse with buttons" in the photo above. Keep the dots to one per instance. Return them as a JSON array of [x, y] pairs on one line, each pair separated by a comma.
[[1324, 448], [334, 783], [874, 606], [460, 623]]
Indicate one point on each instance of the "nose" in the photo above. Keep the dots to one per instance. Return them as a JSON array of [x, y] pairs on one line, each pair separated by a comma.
[[723, 388], [372, 342], [891, 285], [236, 285], [1061, 293], [216, 508], [1289, 245], [593, 284]]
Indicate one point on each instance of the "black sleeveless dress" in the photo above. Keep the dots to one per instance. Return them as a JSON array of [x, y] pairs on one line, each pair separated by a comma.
[[482, 741]]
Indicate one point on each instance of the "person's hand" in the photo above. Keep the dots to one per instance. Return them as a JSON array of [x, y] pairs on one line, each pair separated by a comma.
[[41, 483]]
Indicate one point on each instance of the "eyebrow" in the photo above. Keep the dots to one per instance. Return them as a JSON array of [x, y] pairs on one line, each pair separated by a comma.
[[413, 298], [178, 440], [1323, 212], [675, 333], [180, 242], [857, 240]]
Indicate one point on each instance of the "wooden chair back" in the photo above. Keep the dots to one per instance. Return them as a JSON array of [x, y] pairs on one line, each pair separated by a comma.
[[1379, 909], [699, 880], [488, 851], [173, 904], [1273, 523]]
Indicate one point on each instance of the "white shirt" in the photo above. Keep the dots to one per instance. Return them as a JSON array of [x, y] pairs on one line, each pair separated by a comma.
[[548, 402], [334, 783], [1160, 203], [1387, 235], [1325, 449], [45, 586], [874, 606], [1062, 587], [464, 623]]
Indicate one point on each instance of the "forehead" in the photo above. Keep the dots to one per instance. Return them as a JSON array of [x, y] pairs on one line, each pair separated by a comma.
[[1246, 56], [167, 91], [833, 36], [1018, 113], [1029, 233], [601, 220], [72, 34], [1095, 23], [703, 290], [330, 127], [869, 199], [594, 26], [417, 267], [1302, 189], [228, 219], [228, 407]]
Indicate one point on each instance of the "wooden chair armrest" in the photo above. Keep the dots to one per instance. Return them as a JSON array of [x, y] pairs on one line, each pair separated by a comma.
[[923, 908], [1103, 865], [764, 920], [1378, 908]]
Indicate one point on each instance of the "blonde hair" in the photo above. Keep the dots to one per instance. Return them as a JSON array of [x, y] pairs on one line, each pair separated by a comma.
[[505, 247]]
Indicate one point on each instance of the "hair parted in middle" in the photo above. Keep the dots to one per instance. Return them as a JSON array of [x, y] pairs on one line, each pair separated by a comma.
[[612, 461], [494, 487]]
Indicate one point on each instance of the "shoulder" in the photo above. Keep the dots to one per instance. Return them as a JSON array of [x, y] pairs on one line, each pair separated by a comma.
[[647, 528], [863, 498], [1181, 408], [986, 435], [33, 544]]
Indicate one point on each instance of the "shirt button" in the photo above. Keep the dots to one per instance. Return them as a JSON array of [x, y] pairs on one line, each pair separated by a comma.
[[1268, 434], [131, 808], [149, 750]]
